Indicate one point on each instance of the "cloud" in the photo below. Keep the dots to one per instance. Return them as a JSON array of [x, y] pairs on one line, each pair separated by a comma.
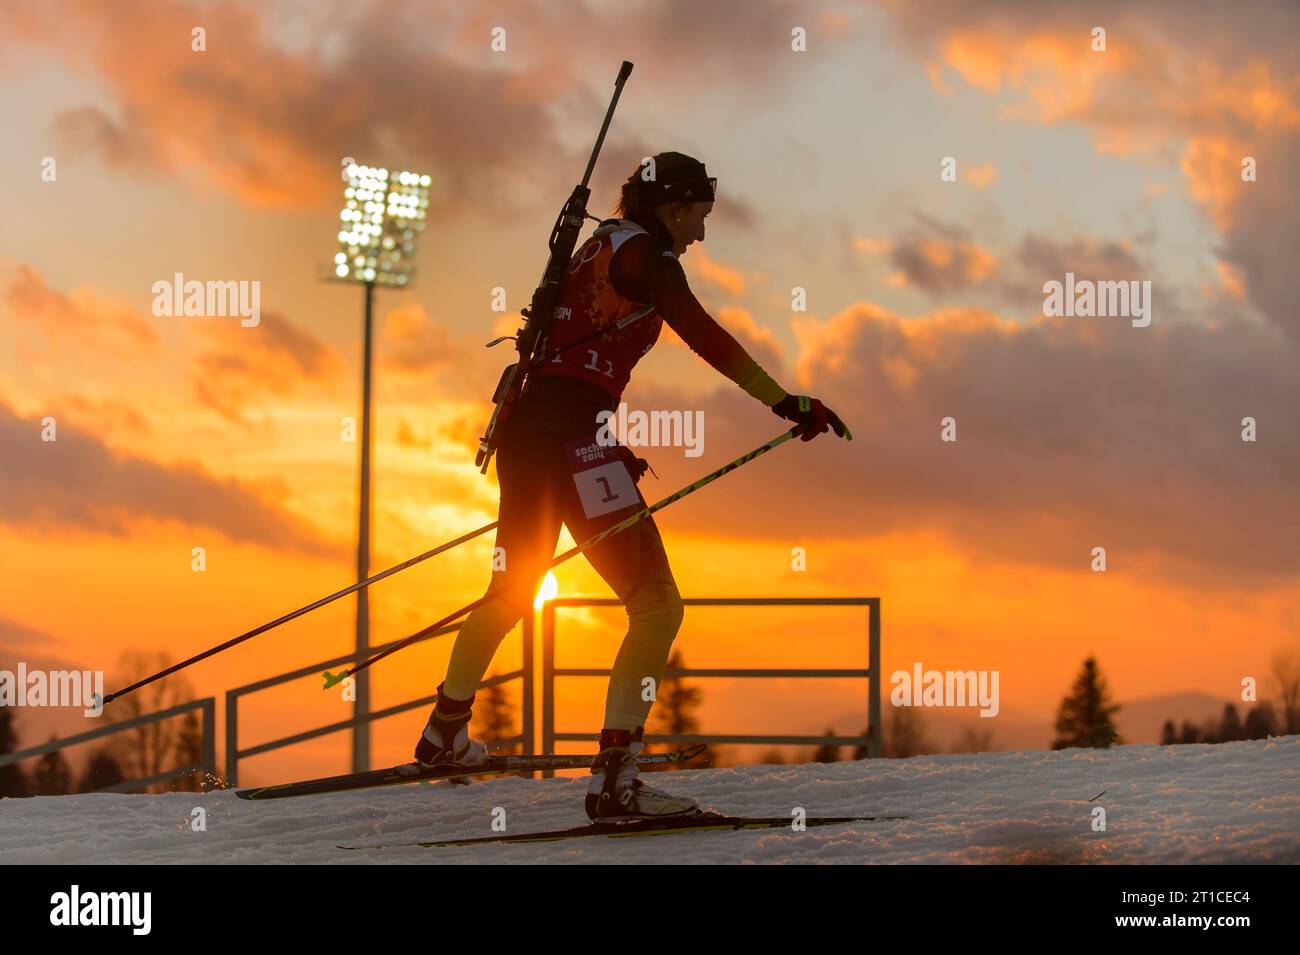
[[712, 272], [981, 177], [89, 129], [13, 633], [413, 344], [872, 246], [82, 315], [758, 340], [1230, 277], [1071, 434], [268, 111], [269, 123], [1042, 258], [412, 437], [464, 430], [104, 415], [242, 367], [940, 259], [79, 485], [1196, 79]]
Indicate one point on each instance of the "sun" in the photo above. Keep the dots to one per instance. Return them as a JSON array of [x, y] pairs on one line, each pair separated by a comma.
[[549, 588]]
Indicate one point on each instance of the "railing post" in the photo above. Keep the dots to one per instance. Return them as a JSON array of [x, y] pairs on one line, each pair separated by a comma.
[[873, 687], [526, 729], [548, 681], [232, 738], [209, 743]]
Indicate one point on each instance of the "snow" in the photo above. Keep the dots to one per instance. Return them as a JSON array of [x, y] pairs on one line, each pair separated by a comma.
[[1225, 803]]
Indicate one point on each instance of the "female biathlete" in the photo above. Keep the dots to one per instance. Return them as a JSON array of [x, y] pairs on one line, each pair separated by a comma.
[[629, 265]]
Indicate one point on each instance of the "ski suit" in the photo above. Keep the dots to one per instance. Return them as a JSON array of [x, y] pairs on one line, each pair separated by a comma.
[[627, 265]]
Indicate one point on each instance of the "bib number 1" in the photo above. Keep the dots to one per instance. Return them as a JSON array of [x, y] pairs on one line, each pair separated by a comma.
[[603, 481]]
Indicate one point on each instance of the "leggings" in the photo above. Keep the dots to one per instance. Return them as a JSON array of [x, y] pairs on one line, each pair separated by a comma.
[[538, 495]]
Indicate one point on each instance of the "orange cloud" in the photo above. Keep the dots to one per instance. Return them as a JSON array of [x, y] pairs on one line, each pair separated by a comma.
[[415, 345], [1058, 72], [268, 118], [1212, 166], [106, 415], [712, 272], [242, 367], [77, 484], [1176, 78], [1151, 189], [872, 246], [82, 315], [758, 340], [270, 124], [1059, 444], [981, 177], [1230, 276], [939, 265]]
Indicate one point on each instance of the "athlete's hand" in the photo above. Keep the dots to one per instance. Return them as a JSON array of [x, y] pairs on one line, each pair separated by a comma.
[[637, 467], [812, 416]]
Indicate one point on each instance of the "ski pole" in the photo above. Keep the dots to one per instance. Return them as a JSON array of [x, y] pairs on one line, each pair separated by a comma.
[[332, 679], [352, 588]]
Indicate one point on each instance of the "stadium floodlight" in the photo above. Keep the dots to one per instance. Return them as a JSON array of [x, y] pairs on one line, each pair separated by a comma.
[[382, 216]]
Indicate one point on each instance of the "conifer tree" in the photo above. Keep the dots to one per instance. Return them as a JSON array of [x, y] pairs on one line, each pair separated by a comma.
[[52, 776], [1086, 715], [12, 780]]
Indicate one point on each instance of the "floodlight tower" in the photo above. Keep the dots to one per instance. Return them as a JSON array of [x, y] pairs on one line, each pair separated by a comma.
[[382, 215]]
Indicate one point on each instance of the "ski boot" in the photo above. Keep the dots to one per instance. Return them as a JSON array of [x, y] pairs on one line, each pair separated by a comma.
[[446, 736], [615, 794]]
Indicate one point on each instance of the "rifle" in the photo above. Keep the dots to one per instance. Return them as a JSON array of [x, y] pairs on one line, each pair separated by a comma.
[[530, 341]]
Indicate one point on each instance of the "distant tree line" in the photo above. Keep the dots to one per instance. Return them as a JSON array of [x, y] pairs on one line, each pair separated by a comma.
[[52, 776], [131, 754], [1085, 718], [1260, 723]]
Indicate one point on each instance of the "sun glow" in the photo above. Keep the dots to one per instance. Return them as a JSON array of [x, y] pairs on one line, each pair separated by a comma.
[[549, 588]]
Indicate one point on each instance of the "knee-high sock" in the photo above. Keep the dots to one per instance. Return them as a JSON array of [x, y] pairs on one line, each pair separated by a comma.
[[476, 645], [654, 615]]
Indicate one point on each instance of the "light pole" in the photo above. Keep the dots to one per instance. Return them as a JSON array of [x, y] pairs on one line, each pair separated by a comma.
[[382, 215]]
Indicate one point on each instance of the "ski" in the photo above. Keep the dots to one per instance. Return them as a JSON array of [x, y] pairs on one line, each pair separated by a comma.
[[704, 822], [415, 773]]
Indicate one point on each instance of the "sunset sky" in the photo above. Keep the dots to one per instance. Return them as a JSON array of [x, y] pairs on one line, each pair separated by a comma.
[[924, 301]]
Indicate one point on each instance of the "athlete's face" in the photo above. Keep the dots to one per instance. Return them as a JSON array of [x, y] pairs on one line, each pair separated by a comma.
[[686, 223]]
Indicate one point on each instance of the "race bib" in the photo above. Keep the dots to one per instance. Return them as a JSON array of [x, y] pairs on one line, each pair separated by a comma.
[[603, 481]]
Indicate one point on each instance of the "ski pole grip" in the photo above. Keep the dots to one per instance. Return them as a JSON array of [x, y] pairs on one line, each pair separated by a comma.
[[624, 72]]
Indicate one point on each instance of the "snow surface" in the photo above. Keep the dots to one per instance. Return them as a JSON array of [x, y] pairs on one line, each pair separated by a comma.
[[1232, 802]]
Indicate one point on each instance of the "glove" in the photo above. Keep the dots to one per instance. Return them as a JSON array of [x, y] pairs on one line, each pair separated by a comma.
[[637, 467], [812, 417]]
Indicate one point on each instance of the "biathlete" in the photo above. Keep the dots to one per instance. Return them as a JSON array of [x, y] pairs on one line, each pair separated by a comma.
[[628, 266]]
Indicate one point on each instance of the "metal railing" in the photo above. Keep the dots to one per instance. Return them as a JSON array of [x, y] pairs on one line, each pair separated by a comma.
[[207, 763], [234, 754], [550, 672], [872, 739]]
